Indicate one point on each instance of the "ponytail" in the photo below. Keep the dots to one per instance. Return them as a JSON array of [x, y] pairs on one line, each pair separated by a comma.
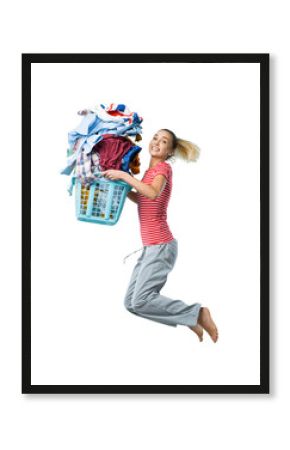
[[183, 149], [186, 150]]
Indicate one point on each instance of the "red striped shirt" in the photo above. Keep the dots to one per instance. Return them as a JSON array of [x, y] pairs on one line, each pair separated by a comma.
[[153, 213]]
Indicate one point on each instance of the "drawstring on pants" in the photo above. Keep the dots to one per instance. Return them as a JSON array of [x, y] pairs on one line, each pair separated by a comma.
[[131, 254]]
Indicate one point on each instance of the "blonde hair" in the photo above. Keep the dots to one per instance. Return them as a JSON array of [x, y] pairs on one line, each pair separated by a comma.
[[183, 149]]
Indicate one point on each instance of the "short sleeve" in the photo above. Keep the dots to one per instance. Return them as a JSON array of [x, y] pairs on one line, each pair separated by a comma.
[[163, 169]]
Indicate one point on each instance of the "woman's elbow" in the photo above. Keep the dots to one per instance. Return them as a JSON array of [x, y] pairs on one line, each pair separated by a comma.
[[153, 195]]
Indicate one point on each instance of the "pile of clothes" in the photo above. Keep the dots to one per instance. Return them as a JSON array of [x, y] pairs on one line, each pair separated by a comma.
[[105, 139]]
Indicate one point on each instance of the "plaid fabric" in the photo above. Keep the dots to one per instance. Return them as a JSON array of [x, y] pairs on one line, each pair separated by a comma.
[[86, 167]]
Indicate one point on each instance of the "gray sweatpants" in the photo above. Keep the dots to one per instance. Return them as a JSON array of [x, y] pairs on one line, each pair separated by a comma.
[[148, 278]]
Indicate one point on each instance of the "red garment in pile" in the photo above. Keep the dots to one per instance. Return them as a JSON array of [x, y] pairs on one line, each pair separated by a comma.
[[111, 150]]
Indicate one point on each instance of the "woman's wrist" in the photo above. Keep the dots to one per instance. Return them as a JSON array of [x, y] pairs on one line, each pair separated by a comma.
[[126, 177]]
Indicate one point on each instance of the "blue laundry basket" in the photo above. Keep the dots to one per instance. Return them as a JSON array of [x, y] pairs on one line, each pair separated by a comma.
[[101, 201]]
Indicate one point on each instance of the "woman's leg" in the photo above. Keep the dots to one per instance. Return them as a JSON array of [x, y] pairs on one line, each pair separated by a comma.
[[132, 283], [146, 301]]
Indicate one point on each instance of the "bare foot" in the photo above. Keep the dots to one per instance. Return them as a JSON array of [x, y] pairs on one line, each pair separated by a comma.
[[207, 323], [198, 330]]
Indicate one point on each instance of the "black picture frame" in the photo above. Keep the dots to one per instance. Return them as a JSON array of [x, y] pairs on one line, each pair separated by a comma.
[[263, 60]]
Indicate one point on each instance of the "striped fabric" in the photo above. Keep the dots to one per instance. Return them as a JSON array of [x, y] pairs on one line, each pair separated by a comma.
[[153, 213]]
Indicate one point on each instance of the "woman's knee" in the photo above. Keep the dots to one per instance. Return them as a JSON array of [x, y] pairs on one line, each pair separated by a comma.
[[127, 303], [129, 308], [139, 301]]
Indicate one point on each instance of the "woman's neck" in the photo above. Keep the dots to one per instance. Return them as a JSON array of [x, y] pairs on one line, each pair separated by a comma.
[[154, 161]]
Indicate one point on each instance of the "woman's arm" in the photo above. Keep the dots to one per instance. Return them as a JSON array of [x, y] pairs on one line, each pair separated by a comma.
[[151, 191]]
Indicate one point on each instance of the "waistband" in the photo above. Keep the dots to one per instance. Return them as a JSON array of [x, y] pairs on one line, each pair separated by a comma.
[[139, 249], [132, 254]]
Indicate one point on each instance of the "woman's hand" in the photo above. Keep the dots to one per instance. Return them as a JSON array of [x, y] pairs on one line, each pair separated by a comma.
[[113, 174]]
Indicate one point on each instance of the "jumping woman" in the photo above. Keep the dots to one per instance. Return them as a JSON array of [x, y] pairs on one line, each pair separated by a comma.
[[159, 252]]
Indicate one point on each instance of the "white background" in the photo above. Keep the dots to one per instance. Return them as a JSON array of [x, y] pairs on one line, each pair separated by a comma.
[[78, 277], [108, 421]]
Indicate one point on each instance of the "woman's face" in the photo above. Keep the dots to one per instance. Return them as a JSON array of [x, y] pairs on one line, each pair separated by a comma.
[[160, 145]]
